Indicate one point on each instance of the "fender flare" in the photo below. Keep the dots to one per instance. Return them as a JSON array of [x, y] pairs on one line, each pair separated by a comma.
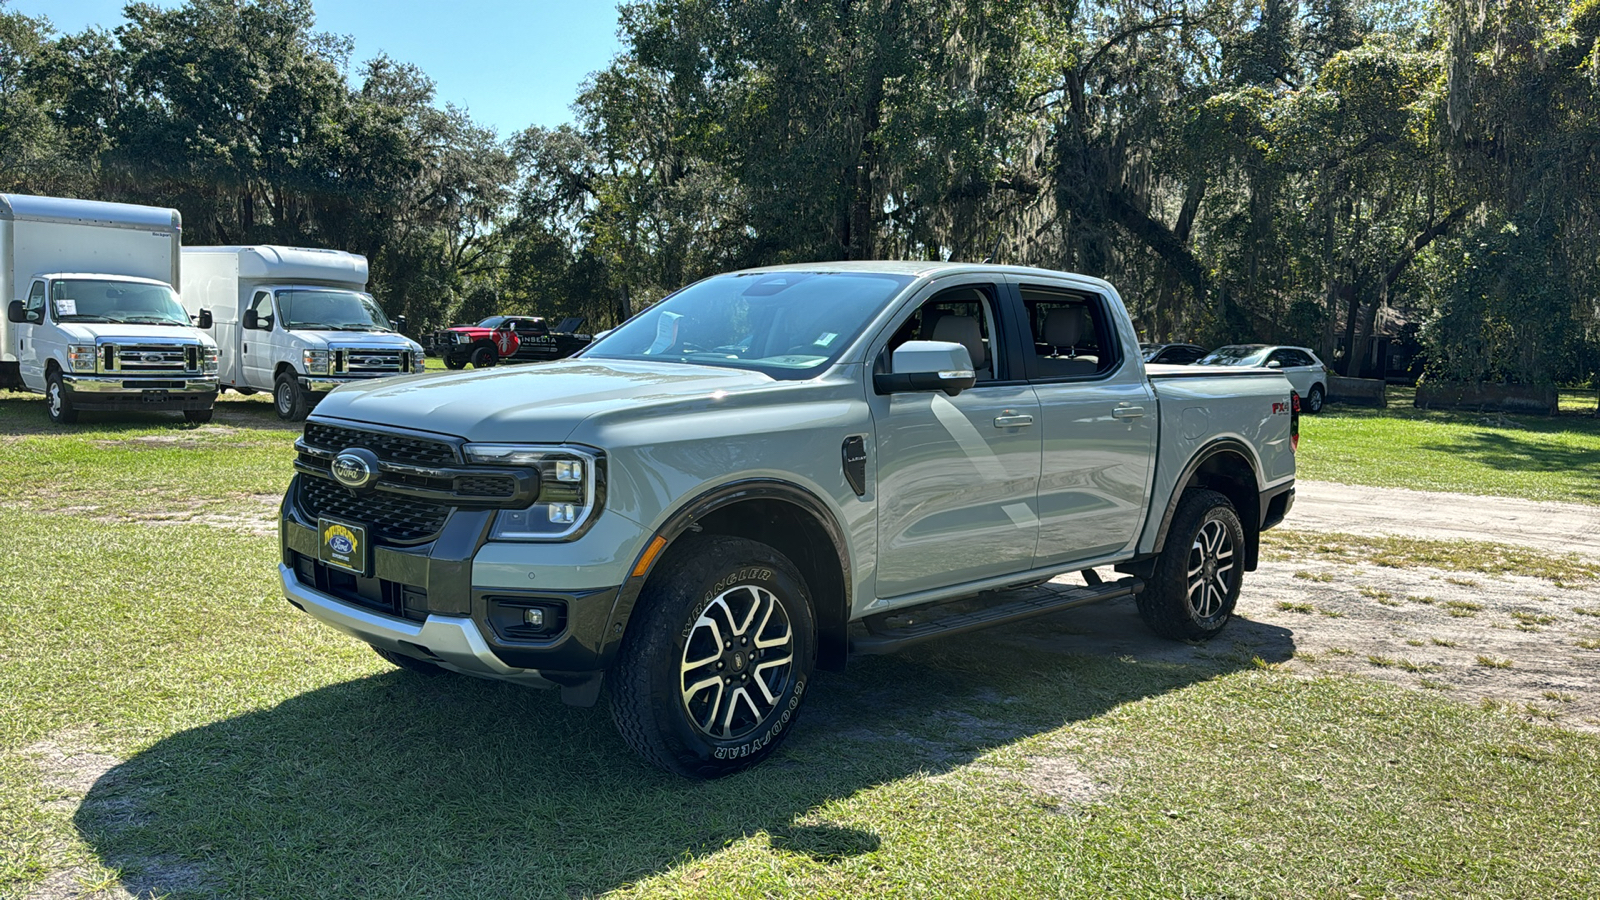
[[704, 504], [1206, 452]]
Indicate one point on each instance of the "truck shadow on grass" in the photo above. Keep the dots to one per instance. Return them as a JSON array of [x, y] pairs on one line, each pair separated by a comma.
[[399, 784], [23, 414]]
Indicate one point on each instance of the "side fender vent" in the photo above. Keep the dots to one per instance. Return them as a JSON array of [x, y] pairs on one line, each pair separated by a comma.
[[854, 452]]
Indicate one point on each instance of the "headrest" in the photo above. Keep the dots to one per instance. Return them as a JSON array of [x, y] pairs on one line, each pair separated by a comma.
[[1063, 326], [963, 330]]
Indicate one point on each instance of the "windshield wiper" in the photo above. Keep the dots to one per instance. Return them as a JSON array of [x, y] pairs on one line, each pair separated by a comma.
[[151, 320]]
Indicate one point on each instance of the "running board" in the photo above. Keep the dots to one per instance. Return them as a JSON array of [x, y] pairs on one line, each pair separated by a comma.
[[1017, 605]]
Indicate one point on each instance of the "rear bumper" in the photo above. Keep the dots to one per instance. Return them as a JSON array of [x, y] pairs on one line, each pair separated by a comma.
[[1276, 503], [110, 392]]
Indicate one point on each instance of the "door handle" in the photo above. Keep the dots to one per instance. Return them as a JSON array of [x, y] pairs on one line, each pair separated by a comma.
[[1013, 421], [1127, 412]]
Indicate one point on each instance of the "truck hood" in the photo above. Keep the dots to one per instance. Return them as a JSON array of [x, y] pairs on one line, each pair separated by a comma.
[[334, 339], [539, 403], [134, 334]]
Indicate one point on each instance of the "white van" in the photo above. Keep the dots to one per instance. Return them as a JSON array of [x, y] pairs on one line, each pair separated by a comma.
[[93, 322], [294, 321]]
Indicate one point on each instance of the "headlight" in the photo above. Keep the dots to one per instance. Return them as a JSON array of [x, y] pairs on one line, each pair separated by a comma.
[[570, 490], [81, 357], [316, 362], [419, 360], [208, 360], [459, 337]]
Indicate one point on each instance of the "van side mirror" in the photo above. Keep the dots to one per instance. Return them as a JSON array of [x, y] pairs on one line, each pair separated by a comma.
[[400, 324], [15, 313], [927, 366], [205, 318], [251, 320]]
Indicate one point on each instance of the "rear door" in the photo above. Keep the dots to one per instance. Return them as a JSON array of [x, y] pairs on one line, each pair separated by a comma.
[[958, 477], [1097, 418]]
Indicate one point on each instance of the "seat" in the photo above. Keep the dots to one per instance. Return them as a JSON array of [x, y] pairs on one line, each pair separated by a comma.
[[1063, 329], [964, 330]]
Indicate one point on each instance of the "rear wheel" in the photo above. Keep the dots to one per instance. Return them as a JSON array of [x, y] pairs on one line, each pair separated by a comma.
[[1314, 399], [710, 677], [57, 403], [1194, 588], [289, 399], [484, 356], [198, 416]]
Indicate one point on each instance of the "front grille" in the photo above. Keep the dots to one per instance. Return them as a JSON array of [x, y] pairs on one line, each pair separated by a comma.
[[149, 359], [391, 518], [373, 361], [397, 448]]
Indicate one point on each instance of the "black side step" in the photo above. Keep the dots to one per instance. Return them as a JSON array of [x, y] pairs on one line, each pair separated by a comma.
[[1011, 606]]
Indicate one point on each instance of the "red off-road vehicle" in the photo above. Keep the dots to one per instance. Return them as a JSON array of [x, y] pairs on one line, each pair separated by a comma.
[[499, 339]]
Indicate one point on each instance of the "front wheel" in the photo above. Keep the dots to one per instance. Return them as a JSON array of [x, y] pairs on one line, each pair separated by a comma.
[[198, 416], [1195, 586], [290, 401], [1314, 399], [484, 356], [454, 362], [711, 674], [57, 403]]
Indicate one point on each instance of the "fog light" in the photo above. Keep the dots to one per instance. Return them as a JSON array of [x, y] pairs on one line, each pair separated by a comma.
[[534, 617], [563, 513]]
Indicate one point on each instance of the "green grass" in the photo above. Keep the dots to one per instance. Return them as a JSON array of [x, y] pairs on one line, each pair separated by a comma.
[[1538, 458], [278, 758], [1405, 553]]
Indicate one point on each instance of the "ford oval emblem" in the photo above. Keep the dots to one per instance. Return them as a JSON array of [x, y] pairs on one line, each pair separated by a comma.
[[341, 544], [355, 469]]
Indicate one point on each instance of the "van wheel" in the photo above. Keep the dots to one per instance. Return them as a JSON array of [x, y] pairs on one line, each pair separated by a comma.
[[484, 356], [711, 673], [56, 401], [198, 416], [1194, 588], [290, 401], [409, 663]]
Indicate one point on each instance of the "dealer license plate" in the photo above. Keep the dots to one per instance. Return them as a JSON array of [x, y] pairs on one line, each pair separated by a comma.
[[344, 545]]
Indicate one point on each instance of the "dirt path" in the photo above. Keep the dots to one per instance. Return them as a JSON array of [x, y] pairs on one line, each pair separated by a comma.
[[1558, 527]]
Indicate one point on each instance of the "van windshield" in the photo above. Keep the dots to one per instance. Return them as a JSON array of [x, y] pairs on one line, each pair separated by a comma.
[[786, 324], [328, 310], [109, 300]]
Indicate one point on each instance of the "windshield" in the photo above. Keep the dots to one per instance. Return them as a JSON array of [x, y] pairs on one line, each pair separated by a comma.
[[785, 324], [492, 322], [1236, 355], [321, 310], [106, 300]]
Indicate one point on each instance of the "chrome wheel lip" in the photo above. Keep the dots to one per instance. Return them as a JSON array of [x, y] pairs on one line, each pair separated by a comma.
[[737, 663], [1211, 572], [54, 399]]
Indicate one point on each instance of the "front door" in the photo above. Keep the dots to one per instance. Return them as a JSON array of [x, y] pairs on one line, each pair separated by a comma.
[[1098, 424], [30, 364], [957, 476], [255, 351]]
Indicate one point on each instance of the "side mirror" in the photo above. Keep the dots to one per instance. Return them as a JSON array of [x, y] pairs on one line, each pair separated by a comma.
[[1274, 365], [15, 313], [205, 318], [400, 324], [251, 320], [927, 366]]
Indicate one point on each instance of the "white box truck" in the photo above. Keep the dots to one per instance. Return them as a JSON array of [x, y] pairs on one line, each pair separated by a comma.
[[92, 320], [294, 321]]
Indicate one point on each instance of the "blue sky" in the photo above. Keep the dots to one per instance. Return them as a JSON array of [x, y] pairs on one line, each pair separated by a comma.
[[511, 63]]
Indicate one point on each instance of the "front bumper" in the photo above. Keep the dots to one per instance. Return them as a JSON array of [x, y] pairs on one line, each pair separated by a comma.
[[108, 392], [321, 384], [452, 642]]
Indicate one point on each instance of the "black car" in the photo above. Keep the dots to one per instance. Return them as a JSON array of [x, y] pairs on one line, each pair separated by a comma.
[[1172, 354]]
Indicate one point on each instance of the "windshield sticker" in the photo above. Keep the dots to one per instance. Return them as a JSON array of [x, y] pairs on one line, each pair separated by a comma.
[[66, 306], [666, 333], [827, 338]]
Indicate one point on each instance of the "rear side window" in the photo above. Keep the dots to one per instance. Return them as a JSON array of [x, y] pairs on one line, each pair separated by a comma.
[[1071, 334]]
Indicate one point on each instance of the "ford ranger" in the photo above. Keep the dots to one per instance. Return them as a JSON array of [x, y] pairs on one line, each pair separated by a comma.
[[771, 470]]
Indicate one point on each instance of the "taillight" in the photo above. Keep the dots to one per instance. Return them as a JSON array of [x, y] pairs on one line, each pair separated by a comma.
[[1294, 421]]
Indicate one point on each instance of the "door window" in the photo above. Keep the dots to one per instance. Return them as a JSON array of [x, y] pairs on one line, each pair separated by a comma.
[[262, 307], [963, 315], [1071, 335], [34, 309]]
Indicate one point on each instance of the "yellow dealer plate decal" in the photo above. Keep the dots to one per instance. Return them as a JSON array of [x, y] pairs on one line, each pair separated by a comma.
[[343, 545]]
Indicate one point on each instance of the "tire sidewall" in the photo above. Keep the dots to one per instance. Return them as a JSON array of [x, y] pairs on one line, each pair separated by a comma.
[[720, 565], [484, 357], [1230, 520], [56, 403], [1315, 399]]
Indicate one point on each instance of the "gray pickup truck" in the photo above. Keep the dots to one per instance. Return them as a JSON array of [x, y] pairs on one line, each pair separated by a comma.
[[770, 470]]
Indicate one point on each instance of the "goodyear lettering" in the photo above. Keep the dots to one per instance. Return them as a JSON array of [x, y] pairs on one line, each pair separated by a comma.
[[768, 736]]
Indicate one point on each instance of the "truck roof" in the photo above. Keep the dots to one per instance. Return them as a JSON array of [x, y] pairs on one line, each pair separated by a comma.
[[29, 208], [929, 268], [292, 263], [101, 276]]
